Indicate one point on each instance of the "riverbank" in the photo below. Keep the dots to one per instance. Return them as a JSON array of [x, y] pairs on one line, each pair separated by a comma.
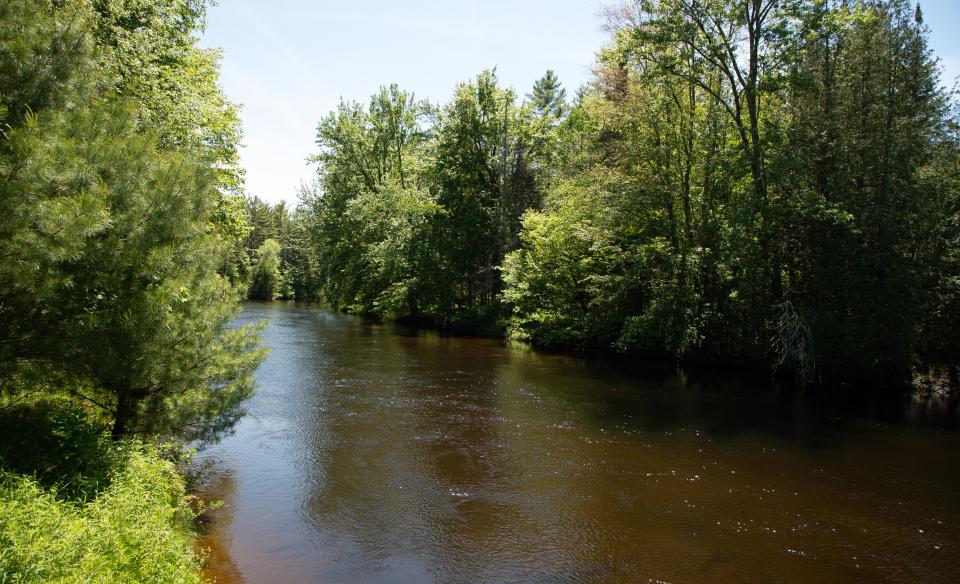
[[78, 506], [936, 379]]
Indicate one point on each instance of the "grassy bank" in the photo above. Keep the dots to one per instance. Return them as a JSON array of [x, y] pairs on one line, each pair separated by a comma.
[[76, 506]]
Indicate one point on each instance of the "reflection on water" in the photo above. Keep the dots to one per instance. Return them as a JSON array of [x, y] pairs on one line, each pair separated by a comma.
[[375, 453]]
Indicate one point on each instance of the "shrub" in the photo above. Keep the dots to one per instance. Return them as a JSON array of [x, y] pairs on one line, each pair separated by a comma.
[[136, 530], [60, 446]]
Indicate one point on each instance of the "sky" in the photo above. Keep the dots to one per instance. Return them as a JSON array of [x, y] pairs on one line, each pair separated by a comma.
[[289, 62]]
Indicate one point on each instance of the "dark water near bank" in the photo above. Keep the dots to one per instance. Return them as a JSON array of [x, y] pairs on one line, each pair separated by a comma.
[[375, 453]]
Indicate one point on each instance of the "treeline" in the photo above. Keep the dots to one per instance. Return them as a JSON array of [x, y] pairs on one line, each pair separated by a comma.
[[756, 182], [275, 258], [416, 206], [119, 200]]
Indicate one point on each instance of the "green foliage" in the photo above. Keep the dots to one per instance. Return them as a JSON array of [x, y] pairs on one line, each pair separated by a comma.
[[485, 174], [791, 200], [768, 184], [60, 446], [43, 52], [136, 530], [116, 153], [232, 220], [548, 97], [149, 48], [110, 274], [294, 275], [267, 282], [369, 219], [761, 183], [560, 281], [147, 51], [118, 235], [416, 206], [863, 206], [300, 259], [391, 226]]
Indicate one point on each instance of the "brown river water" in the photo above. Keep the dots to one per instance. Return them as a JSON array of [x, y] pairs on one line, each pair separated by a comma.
[[377, 453]]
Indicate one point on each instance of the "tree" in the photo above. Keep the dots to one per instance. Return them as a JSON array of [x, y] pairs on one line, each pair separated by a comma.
[[869, 212], [415, 208], [734, 51], [549, 97], [151, 51], [267, 277], [371, 197], [624, 254], [299, 257], [44, 51], [562, 283], [486, 177], [110, 279]]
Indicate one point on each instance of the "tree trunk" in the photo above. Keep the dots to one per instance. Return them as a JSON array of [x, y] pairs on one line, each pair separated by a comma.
[[126, 415]]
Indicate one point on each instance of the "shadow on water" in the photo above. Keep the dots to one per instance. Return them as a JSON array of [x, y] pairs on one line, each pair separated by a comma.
[[214, 530], [382, 453]]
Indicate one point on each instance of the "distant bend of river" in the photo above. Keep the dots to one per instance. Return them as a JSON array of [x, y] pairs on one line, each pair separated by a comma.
[[377, 453]]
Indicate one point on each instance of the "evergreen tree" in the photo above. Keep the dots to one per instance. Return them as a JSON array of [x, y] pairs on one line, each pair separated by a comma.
[[111, 291], [870, 125], [549, 98]]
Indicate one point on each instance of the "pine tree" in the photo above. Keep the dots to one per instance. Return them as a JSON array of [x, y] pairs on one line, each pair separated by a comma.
[[109, 273], [549, 98]]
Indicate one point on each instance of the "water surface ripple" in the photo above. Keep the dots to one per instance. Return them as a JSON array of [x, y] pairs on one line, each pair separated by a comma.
[[375, 453]]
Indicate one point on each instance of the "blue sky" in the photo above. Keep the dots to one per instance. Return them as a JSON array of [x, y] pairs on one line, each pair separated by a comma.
[[288, 62]]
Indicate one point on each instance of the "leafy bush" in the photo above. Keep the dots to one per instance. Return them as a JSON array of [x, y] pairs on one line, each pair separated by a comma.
[[136, 530], [61, 447]]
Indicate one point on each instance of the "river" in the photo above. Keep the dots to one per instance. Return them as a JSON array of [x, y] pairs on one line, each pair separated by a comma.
[[378, 453]]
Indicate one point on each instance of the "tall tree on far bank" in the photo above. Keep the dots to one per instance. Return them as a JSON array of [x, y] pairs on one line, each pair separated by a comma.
[[486, 176], [871, 191], [735, 52], [266, 276], [371, 201], [548, 97]]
